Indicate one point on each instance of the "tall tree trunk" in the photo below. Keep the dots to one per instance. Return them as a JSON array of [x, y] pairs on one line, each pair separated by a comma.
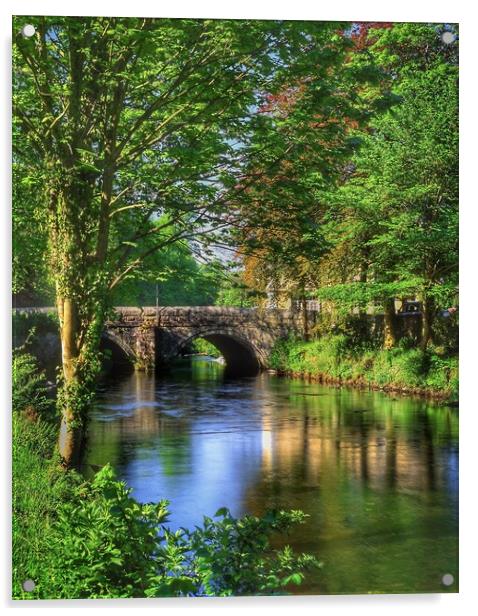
[[428, 316], [305, 317], [70, 437], [389, 324], [362, 310]]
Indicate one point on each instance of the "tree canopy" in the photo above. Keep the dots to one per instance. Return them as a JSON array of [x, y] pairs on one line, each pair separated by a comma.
[[385, 224], [122, 122]]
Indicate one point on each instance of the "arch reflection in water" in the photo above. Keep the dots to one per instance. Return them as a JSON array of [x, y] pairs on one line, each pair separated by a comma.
[[377, 476]]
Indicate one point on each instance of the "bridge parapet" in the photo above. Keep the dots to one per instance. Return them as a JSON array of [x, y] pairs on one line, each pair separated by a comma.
[[173, 314]]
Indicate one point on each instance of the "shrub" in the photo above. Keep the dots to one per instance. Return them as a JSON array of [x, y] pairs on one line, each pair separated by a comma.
[[26, 323], [230, 556], [199, 345], [402, 366], [279, 356], [29, 387], [103, 543]]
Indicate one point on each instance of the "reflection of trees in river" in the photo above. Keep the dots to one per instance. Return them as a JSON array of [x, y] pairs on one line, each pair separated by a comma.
[[376, 475], [385, 444], [373, 473], [138, 424]]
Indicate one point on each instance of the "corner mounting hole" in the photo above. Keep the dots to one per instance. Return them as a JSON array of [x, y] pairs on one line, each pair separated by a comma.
[[28, 585], [448, 37], [28, 31], [447, 579]]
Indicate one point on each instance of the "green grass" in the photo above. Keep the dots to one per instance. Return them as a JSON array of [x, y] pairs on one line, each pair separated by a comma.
[[39, 488], [204, 347], [401, 367]]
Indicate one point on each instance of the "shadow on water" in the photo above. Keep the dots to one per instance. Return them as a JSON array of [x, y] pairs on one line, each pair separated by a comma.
[[378, 476]]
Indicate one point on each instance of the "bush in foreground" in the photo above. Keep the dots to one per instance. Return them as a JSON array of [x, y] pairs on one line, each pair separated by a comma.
[[104, 544]]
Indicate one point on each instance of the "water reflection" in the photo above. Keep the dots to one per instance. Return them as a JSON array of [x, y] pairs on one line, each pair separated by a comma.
[[377, 475]]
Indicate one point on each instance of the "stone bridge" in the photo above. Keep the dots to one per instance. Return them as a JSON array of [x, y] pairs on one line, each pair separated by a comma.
[[149, 337]]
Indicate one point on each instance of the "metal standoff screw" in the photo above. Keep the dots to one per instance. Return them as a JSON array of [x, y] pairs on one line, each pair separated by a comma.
[[447, 579], [28, 585], [28, 31], [448, 37]]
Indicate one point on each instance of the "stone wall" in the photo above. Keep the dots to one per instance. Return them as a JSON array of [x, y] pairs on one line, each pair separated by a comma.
[[408, 325]]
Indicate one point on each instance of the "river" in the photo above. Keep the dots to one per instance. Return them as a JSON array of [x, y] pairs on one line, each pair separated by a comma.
[[377, 474]]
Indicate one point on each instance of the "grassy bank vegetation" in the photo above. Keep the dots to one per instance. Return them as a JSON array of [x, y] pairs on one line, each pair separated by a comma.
[[335, 358], [90, 539], [203, 347]]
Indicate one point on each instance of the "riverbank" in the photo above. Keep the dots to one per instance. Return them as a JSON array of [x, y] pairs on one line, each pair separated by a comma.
[[334, 360]]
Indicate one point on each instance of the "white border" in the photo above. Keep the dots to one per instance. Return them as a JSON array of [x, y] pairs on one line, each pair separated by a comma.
[[364, 10], [461, 11]]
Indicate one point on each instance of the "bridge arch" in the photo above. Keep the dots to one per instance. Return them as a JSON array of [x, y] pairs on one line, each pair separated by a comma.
[[120, 354], [242, 357], [153, 336]]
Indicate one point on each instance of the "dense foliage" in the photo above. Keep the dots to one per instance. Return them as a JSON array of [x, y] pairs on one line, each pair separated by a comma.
[[29, 391], [386, 227], [203, 347], [336, 359], [170, 277]]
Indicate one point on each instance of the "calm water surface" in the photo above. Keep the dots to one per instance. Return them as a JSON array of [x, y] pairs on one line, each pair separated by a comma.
[[377, 475]]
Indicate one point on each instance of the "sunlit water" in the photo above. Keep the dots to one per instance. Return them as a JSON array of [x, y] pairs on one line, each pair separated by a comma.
[[377, 475]]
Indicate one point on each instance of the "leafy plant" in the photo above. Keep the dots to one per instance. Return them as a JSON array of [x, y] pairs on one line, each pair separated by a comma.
[[105, 542], [29, 389], [102, 543], [232, 556], [204, 347]]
